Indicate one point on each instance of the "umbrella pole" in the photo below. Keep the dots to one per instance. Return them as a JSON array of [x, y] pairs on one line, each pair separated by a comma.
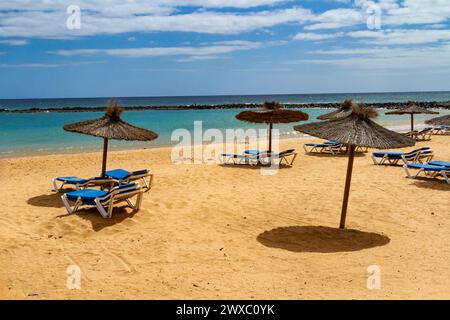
[[412, 122], [105, 156], [270, 137], [348, 181]]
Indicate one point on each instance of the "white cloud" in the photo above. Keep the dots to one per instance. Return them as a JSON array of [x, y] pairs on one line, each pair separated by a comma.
[[47, 18], [337, 18], [403, 36], [386, 58], [192, 53], [317, 36], [48, 65]]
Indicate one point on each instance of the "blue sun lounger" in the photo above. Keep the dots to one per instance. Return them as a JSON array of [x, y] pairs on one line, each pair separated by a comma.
[[422, 135], [124, 177], [441, 130], [428, 170], [102, 199], [112, 178], [421, 155], [286, 157], [325, 147], [80, 183], [240, 159], [439, 163], [256, 157]]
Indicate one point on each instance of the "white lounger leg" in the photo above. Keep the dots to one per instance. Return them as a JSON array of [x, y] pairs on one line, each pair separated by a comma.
[[148, 183], [375, 161], [408, 174], [446, 176], [66, 202], [101, 209], [55, 186], [137, 205]]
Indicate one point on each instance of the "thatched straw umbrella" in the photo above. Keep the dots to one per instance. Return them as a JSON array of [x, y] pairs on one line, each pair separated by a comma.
[[272, 113], [439, 121], [356, 130], [110, 126], [343, 111], [412, 109]]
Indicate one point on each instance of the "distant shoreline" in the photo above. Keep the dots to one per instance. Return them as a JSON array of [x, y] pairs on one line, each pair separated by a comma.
[[380, 105]]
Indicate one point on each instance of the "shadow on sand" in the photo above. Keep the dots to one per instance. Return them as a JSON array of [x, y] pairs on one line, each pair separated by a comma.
[[98, 223], [434, 184], [259, 167], [340, 155], [47, 200], [320, 239]]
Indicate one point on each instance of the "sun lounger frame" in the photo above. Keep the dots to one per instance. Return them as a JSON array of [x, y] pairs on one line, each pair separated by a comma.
[[92, 182], [422, 155], [115, 196], [264, 158], [147, 183], [285, 157], [333, 149], [423, 135], [240, 159], [441, 131], [433, 174]]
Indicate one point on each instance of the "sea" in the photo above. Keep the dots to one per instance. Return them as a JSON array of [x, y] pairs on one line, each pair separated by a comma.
[[25, 134]]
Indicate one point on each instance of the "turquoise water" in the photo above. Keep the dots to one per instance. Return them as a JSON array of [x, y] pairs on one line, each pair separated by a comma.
[[42, 133]]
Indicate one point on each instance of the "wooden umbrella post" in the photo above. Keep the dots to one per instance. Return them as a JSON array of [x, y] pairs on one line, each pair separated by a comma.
[[412, 122], [105, 156], [348, 182], [270, 137]]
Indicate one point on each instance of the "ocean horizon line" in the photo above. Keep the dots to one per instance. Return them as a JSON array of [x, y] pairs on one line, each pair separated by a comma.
[[228, 95]]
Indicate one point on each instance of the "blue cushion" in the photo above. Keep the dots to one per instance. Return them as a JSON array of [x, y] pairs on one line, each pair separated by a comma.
[[139, 172], [439, 163], [390, 155], [426, 167], [316, 145], [71, 180], [119, 174], [253, 152], [87, 196]]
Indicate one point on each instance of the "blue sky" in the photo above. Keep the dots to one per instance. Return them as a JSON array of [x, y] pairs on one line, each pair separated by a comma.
[[208, 47]]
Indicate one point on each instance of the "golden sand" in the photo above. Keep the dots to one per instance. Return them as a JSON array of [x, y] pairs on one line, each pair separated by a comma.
[[213, 232]]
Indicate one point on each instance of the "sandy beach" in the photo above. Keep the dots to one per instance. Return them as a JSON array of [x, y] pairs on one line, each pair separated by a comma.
[[214, 232]]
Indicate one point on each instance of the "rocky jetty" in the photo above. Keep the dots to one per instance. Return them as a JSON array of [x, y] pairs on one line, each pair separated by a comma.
[[385, 105]]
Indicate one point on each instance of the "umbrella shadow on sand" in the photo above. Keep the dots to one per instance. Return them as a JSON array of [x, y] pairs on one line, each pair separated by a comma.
[[98, 223], [47, 200], [320, 239]]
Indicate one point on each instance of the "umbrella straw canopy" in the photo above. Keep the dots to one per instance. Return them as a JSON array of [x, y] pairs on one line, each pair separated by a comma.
[[412, 109], [111, 126], [356, 130], [342, 112], [439, 121], [272, 113]]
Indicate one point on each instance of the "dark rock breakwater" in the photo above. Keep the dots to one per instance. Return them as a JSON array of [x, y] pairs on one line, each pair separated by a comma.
[[385, 105]]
